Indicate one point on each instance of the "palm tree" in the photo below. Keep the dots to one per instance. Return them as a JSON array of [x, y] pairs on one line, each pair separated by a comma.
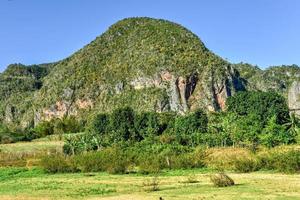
[[293, 125]]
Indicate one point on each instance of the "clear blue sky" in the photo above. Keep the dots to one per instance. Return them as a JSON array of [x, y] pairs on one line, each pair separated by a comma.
[[262, 32]]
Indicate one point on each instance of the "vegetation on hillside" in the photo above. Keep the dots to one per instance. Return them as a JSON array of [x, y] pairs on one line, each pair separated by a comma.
[[102, 76], [274, 78], [17, 86]]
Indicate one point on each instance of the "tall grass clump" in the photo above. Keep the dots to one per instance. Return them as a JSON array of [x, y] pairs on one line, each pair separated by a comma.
[[245, 165], [221, 180], [286, 161]]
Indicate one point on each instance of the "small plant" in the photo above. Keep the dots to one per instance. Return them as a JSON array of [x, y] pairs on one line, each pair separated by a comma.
[[221, 180], [151, 185]]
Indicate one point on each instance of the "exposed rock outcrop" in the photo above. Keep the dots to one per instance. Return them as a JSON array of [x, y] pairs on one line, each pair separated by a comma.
[[10, 113], [294, 97]]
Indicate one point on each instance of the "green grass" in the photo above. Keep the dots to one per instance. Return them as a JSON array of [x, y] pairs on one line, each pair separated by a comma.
[[27, 153], [31, 147], [33, 183], [20, 183]]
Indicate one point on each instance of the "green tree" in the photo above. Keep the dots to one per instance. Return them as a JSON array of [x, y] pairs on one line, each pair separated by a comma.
[[99, 124], [293, 126], [185, 126], [246, 130], [44, 128], [147, 124], [262, 104], [274, 134], [122, 124]]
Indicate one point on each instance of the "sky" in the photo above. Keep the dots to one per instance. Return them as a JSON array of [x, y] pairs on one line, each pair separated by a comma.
[[259, 32]]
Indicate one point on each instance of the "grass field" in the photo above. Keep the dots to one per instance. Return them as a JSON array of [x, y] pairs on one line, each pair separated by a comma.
[[20, 183], [27, 153], [28, 182], [31, 147]]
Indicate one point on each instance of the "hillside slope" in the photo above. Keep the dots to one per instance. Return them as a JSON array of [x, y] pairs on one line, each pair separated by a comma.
[[148, 64], [144, 63], [18, 83]]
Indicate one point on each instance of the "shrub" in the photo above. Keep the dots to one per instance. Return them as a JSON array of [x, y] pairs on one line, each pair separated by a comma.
[[12, 136], [289, 162], [166, 138], [147, 124], [221, 180], [245, 165], [182, 161], [99, 124], [70, 125], [149, 164], [286, 161], [6, 139], [57, 164], [90, 162], [114, 160], [43, 129], [224, 158]]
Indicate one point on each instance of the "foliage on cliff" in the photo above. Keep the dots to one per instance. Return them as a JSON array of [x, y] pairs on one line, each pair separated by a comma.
[[147, 64]]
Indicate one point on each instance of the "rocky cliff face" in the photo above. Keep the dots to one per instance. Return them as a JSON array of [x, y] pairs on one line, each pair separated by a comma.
[[179, 94], [294, 97], [148, 64]]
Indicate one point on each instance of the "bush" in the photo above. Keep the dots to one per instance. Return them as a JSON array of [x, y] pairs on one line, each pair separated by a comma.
[[115, 161], [112, 160], [11, 136], [149, 164], [56, 126], [43, 129], [69, 125], [75, 144], [57, 164], [166, 138], [99, 124], [90, 162], [221, 180], [245, 165], [166, 120], [225, 158], [182, 161], [287, 161], [147, 124]]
